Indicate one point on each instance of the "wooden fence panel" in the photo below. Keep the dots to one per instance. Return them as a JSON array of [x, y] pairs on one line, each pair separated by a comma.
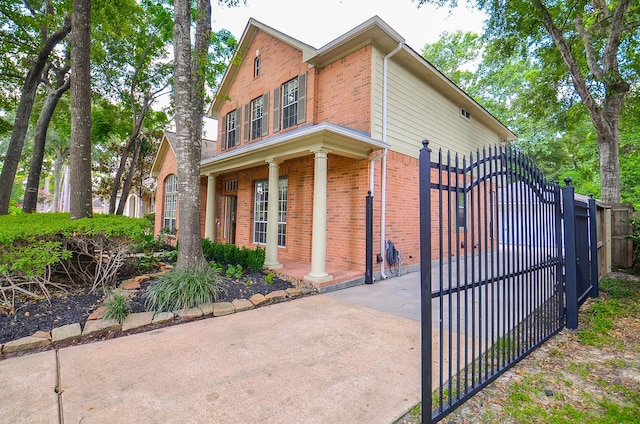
[[621, 247]]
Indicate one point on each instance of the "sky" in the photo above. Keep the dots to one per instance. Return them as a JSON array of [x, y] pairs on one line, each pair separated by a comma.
[[317, 22]]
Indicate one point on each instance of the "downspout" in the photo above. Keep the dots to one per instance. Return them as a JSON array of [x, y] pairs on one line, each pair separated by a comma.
[[383, 188]]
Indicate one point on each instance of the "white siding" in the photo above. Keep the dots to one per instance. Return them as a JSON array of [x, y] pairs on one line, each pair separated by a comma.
[[417, 111]]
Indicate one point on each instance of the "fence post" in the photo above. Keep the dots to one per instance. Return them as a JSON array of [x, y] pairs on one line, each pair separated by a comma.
[[593, 246], [368, 273], [570, 254], [425, 279]]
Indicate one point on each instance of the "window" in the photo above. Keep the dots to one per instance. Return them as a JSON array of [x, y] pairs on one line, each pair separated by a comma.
[[257, 107], [290, 103], [170, 203], [461, 210], [465, 113], [256, 67], [229, 130], [260, 211]]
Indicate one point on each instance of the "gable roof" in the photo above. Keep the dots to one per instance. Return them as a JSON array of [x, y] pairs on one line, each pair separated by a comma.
[[385, 39], [167, 145]]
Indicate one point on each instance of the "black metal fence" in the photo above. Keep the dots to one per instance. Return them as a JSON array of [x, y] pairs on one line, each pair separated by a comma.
[[494, 245]]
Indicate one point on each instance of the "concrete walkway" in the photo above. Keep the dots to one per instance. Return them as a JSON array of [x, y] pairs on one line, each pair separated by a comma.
[[319, 359]]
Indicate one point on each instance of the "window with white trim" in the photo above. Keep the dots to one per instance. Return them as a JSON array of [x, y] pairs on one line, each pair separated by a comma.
[[290, 103], [231, 129], [257, 108], [260, 211], [170, 204], [461, 210]]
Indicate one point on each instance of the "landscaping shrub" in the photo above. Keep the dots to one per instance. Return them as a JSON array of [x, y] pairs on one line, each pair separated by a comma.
[[118, 307], [183, 289], [42, 249], [230, 254]]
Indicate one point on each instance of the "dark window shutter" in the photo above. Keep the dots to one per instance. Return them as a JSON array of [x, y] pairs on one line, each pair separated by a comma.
[[265, 114], [276, 109], [302, 98], [247, 121], [237, 139], [223, 132]]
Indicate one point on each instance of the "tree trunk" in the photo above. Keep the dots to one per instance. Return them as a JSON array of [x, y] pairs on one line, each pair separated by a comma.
[[57, 178], [126, 187], [187, 141], [81, 202], [33, 180], [21, 122]]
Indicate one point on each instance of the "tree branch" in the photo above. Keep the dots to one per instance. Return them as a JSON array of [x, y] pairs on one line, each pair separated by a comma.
[[592, 60]]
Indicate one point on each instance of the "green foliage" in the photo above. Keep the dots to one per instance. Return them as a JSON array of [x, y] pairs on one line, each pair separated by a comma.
[[32, 246], [183, 289], [635, 237], [234, 271], [268, 279], [230, 254], [118, 307]]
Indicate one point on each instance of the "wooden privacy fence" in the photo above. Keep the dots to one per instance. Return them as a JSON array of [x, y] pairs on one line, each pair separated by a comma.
[[621, 246]]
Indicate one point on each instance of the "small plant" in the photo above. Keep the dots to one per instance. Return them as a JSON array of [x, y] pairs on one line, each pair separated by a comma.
[[183, 289], [118, 307], [249, 283], [239, 270], [268, 279], [231, 271], [216, 266]]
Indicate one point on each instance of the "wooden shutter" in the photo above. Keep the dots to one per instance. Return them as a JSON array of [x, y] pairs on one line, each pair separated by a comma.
[[302, 98], [265, 114], [247, 121], [223, 132], [276, 109]]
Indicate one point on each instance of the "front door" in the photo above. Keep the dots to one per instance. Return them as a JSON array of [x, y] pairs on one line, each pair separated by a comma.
[[227, 207]]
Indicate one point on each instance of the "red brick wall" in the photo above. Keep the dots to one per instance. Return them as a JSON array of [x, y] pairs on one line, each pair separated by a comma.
[[344, 91], [280, 63]]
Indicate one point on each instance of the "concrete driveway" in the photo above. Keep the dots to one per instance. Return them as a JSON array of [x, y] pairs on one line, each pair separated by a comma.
[[320, 359]]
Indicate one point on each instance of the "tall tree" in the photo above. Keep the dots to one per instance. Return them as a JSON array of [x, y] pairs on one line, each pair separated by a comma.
[[189, 102], [27, 33], [54, 93], [80, 174], [593, 41]]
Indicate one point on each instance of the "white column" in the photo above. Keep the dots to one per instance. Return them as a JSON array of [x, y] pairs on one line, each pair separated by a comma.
[[210, 213], [318, 273], [273, 201]]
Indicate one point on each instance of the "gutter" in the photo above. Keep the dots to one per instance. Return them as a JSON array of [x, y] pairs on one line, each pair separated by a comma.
[[383, 189]]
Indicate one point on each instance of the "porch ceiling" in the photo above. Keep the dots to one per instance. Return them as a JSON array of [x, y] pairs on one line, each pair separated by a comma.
[[291, 144]]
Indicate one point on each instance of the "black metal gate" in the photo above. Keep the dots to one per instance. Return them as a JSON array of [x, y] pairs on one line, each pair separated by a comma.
[[493, 268]]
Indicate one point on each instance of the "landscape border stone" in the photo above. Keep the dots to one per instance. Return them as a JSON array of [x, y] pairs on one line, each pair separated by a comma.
[[96, 325]]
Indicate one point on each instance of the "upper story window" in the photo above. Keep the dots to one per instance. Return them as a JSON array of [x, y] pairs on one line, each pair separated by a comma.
[[230, 136], [257, 108], [257, 64], [465, 113], [289, 103]]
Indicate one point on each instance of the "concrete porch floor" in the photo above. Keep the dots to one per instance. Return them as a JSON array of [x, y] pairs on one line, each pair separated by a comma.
[[340, 275]]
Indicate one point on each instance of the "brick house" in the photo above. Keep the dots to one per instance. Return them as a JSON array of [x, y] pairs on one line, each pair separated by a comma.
[[164, 171], [326, 126]]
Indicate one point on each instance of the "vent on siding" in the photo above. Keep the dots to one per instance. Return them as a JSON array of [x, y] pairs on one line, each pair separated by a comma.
[[231, 185], [465, 113]]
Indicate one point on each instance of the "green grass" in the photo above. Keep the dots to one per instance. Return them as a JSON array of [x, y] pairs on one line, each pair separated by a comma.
[[586, 389]]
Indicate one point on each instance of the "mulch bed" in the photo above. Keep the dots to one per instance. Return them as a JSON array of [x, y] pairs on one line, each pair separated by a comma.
[[75, 305]]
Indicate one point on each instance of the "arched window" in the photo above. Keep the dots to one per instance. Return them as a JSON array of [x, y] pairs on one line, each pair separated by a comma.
[[170, 204]]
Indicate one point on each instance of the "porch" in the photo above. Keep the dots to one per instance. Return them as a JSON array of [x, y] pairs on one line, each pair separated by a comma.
[[342, 277]]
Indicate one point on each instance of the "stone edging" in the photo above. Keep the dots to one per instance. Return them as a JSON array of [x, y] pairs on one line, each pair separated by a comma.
[[96, 325]]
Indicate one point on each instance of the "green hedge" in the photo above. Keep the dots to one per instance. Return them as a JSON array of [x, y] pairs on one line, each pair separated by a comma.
[[32, 245], [230, 254]]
